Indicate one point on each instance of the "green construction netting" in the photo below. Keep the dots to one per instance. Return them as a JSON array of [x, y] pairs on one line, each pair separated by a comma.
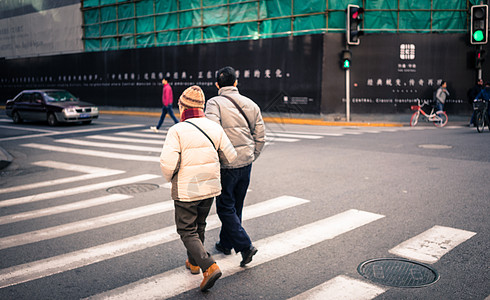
[[123, 24]]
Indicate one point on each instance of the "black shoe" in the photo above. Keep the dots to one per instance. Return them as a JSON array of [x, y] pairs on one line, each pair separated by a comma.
[[247, 255], [222, 249]]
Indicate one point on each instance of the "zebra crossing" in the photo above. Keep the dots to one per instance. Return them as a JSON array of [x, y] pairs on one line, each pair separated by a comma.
[[143, 146], [144, 140], [428, 247]]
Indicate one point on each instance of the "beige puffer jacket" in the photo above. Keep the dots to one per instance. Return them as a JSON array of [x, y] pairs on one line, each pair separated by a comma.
[[190, 162], [225, 113]]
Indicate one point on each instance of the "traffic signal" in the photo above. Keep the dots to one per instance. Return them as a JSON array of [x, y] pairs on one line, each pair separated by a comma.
[[354, 19], [479, 24], [345, 59], [479, 58]]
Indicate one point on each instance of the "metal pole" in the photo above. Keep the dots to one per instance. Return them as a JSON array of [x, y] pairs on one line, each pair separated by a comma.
[[347, 94]]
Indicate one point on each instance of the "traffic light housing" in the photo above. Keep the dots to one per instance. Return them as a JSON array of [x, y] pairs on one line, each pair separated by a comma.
[[354, 19], [345, 59], [479, 24], [479, 58]]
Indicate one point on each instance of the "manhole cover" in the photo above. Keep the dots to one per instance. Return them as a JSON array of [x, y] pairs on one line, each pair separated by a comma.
[[398, 272], [435, 146], [129, 189]]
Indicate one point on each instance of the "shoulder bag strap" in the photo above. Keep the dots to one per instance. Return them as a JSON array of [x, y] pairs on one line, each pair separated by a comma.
[[202, 133], [240, 110]]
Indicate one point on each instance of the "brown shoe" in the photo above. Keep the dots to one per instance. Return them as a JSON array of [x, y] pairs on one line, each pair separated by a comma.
[[194, 269], [210, 276]]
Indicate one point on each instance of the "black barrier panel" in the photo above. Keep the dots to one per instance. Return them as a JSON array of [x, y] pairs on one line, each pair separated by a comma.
[[280, 74], [389, 72]]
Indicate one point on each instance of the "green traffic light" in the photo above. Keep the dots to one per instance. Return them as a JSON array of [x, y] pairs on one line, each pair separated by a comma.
[[346, 64], [478, 35]]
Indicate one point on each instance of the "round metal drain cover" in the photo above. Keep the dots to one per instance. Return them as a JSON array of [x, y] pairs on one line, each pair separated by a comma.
[[129, 189], [435, 146], [398, 272]]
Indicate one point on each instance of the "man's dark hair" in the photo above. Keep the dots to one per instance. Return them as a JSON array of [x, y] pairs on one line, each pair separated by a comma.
[[167, 78], [226, 77]]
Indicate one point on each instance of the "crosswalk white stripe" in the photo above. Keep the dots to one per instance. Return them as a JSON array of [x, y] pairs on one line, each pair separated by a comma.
[[93, 172], [298, 136], [126, 140], [144, 135], [62, 208], [431, 245], [109, 145], [285, 140], [316, 133], [75, 190], [67, 132], [179, 280], [342, 288], [93, 152], [84, 225], [69, 261]]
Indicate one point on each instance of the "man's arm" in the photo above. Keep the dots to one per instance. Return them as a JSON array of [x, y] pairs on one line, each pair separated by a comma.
[[170, 156], [212, 111], [259, 134]]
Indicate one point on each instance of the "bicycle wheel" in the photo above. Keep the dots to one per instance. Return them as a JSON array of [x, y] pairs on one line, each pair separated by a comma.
[[415, 118], [442, 119], [479, 121]]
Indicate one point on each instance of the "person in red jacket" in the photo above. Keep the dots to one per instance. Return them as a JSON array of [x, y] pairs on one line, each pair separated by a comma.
[[167, 101]]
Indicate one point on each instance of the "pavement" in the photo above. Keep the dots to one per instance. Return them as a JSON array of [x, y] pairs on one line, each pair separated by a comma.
[[374, 120]]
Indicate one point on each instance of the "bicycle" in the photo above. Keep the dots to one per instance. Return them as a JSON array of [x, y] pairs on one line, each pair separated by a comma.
[[481, 114], [439, 118]]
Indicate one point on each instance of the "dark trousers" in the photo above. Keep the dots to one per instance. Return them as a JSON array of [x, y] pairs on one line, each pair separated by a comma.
[[229, 205], [190, 218], [166, 109]]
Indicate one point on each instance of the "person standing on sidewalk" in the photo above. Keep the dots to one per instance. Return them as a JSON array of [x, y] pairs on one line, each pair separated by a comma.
[[242, 121], [191, 162], [167, 101]]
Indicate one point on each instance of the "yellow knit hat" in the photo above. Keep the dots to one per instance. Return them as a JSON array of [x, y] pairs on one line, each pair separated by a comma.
[[192, 97]]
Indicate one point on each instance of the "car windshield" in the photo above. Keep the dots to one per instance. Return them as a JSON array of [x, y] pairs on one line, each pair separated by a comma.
[[59, 96]]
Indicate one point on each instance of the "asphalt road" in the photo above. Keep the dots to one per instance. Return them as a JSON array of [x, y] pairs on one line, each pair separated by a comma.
[[322, 201]]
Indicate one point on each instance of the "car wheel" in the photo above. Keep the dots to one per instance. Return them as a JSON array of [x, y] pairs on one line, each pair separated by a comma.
[[16, 118], [52, 121]]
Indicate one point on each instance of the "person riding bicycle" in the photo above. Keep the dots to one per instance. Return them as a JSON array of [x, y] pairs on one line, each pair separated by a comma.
[[484, 95], [441, 95]]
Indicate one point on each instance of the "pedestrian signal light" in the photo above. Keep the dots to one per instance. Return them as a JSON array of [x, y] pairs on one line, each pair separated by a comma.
[[354, 19], [479, 24], [479, 58], [345, 59]]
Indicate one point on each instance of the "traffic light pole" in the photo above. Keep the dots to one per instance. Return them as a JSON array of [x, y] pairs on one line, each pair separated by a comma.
[[347, 94], [479, 69]]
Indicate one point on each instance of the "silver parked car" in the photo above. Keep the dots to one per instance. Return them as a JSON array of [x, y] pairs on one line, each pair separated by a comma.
[[53, 106]]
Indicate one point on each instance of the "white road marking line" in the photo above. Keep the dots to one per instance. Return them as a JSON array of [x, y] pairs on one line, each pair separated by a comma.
[[177, 281], [285, 140], [93, 172], [93, 152], [69, 261], [314, 133], [76, 190], [289, 135], [84, 225], [69, 132], [28, 129], [126, 140], [109, 145], [143, 135], [160, 130], [62, 208], [342, 288], [431, 245]]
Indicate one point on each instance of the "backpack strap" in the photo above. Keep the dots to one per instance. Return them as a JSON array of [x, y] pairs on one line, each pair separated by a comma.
[[240, 110], [202, 133]]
